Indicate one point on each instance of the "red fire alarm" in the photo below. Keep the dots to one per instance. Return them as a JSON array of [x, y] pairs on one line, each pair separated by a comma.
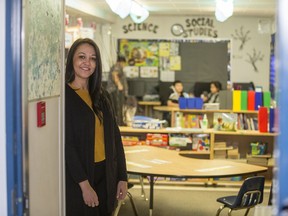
[[41, 114]]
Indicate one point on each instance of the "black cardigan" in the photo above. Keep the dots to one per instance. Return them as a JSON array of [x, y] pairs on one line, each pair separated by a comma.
[[79, 153]]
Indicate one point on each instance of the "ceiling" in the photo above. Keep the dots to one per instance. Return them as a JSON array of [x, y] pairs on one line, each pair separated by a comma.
[[263, 8]]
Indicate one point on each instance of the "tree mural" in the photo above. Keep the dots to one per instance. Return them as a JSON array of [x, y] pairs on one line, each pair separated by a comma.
[[242, 36], [254, 57]]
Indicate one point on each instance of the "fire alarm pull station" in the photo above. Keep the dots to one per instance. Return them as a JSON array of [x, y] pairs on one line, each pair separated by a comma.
[[41, 114]]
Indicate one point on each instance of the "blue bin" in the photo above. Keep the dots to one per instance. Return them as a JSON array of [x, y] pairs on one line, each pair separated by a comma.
[[182, 103], [191, 103], [198, 103]]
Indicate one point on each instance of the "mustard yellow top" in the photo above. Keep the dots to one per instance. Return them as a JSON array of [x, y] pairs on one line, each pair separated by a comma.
[[99, 147]]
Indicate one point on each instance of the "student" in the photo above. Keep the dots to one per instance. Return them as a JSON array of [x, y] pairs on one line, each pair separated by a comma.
[[213, 96], [94, 157], [118, 88], [178, 92]]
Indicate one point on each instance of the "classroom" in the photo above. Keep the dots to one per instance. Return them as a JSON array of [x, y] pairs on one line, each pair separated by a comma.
[[184, 149]]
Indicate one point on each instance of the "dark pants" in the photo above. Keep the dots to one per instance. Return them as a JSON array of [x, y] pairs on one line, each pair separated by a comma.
[[100, 188]]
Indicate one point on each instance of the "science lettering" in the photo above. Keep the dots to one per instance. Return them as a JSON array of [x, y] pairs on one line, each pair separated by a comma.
[[131, 27]]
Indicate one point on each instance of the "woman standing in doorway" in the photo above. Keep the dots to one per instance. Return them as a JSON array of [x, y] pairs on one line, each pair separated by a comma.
[[94, 157]]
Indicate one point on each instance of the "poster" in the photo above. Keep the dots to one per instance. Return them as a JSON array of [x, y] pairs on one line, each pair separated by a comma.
[[140, 53], [164, 49], [149, 72], [167, 76], [175, 63], [174, 49], [131, 71]]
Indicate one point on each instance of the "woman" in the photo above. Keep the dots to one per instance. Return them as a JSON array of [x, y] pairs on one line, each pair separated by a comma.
[[95, 161]]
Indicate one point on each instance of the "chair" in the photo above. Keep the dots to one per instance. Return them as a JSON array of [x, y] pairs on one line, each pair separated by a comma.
[[131, 200], [249, 195]]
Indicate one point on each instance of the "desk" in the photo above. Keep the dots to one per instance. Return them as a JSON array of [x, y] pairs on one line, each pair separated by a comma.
[[148, 106], [154, 161]]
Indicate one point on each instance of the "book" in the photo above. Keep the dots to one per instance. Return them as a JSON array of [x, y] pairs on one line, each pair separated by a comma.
[[252, 123], [258, 100], [201, 142], [251, 100], [236, 100], [244, 100], [266, 99], [225, 121]]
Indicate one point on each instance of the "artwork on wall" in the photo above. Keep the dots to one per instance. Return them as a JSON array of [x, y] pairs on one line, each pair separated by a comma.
[[139, 52], [44, 48], [242, 36], [175, 63], [151, 56], [170, 60], [253, 58], [131, 71], [149, 72]]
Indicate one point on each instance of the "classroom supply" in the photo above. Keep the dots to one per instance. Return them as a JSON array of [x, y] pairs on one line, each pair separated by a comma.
[[204, 122], [266, 99], [236, 100], [244, 100], [258, 100], [271, 120], [182, 102], [251, 100], [263, 119]]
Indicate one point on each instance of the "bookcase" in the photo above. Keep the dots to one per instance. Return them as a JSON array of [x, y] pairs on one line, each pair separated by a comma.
[[174, 111], [240, 139]]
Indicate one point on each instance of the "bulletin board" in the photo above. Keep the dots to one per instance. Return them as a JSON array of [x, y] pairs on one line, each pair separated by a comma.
[[153, 61]]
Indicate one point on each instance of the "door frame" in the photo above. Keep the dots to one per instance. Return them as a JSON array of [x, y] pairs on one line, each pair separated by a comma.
[[14, 110]]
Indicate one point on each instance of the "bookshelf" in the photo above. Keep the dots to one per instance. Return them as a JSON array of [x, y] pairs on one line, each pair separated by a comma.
[[174, 110], [232, 138]]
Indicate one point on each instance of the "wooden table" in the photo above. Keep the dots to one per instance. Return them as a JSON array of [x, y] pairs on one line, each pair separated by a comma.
[[154, 161], [148, 106]]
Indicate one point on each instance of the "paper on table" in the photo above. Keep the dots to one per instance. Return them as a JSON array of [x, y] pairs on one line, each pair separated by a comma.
[[137, 164], [136, 151]]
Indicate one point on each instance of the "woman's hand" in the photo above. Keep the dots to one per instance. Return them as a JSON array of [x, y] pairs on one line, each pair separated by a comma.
[[89, 195], [121, 190]]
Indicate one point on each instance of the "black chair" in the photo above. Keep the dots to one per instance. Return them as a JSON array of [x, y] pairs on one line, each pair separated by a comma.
[[130, 185], [249, 195]]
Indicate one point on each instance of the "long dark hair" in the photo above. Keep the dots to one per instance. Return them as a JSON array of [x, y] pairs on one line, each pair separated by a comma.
[[97, 93]]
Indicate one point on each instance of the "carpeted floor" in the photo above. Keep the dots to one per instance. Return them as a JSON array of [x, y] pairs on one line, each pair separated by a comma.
[[182, 201]]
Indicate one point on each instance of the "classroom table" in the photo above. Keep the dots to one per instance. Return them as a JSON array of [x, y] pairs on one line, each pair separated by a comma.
[[160, 162], [148, 106]]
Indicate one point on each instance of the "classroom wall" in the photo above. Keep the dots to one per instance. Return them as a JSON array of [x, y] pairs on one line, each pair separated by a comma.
[[3, 168], [43, 74], [256, 46], [45, 160]]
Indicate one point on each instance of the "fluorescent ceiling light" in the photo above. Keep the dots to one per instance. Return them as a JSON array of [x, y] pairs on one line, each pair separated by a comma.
[[120, 7], [138, 13], [224, 9]]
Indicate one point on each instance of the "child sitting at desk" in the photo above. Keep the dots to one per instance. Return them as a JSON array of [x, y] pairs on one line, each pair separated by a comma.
[[173, 98], [213, 96]]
